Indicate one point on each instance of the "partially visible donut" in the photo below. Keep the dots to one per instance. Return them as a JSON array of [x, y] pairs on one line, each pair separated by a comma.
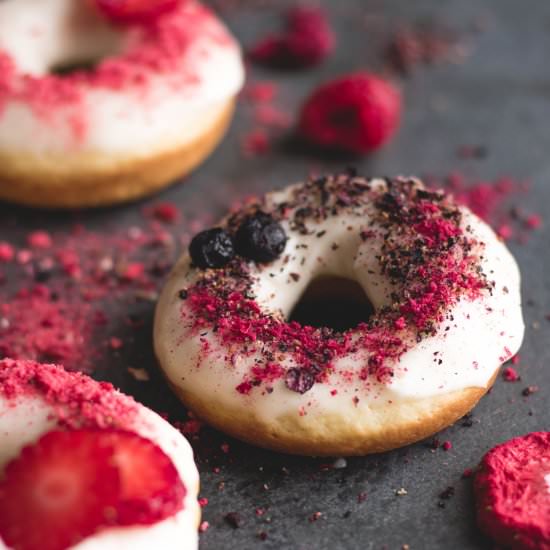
[[156, 103], [46, 406], [446, 297], [512, 488]]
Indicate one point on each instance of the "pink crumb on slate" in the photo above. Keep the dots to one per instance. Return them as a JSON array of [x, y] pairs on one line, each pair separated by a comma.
[[306, 40], [510, 374], [55, 309], [495, 201]]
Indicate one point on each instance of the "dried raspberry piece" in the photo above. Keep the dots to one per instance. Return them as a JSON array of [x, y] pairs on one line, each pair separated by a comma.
[[58, 492], [306, 41], [512, 488], [135, 11], [357, 113]]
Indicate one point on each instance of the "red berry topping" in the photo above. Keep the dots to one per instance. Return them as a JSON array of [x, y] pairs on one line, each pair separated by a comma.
[[58, 492], [512, 490], [69, 485], [151, 488], [135, 11], [307, 40], [357, 113]]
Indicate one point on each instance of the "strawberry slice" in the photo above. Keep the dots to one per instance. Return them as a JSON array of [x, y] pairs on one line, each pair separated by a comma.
[[58, 491], [69, 485], [151, 488], [135, 11]]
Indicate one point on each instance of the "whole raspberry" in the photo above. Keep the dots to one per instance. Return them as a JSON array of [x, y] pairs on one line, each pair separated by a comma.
[[306, 41], [135, 11], [357, 113]]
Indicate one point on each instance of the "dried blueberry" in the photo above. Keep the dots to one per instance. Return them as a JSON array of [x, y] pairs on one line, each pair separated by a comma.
[[260, 238], [299, 380], [212, 248]]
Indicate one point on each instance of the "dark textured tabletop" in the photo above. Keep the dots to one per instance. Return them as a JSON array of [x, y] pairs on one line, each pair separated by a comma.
[[497, 98]]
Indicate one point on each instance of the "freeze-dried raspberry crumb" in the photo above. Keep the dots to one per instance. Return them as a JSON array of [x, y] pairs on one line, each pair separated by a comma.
[[533, 221], [505, 231], [358, 113], [446, 445], [307, 40], [510, 374], [262, 91], [115, 343], [39, 239], [412, 46], [256, 143], [496, 202], [166, 212], [132, 271], [7, 252], [203, 527]]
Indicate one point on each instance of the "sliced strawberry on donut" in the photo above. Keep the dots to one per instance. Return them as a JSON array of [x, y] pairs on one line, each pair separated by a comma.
[[151, 488], [71, 484], [512, 488], [58, 492], [135, 11]]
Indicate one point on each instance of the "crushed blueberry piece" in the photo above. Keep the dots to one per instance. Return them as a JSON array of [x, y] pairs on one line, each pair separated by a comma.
[[299, 380], [260, 238], [212, 248]]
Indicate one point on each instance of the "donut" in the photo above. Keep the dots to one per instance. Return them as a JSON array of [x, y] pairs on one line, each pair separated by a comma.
[[136, 482], [446, 314], [512, 489], [155, 104]]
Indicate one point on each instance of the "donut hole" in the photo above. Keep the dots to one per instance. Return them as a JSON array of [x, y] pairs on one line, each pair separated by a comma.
[[58, 37], [333, 302], [70, 67], [95, 42]]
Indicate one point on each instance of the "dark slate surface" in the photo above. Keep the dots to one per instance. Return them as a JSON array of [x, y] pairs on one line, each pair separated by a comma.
[[499, 98]]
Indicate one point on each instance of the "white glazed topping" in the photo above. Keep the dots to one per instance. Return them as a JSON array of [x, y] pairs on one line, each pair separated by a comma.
[[25, 418], [476, 337], [165, 110]]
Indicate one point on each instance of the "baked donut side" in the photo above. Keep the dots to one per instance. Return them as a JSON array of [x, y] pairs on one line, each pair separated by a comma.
[[92, 180], [377, 430], [447, 314]]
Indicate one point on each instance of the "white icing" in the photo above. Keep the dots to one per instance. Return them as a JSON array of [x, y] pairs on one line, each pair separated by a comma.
[[547, 481], [41, 34], [485, 332], [25, 419]]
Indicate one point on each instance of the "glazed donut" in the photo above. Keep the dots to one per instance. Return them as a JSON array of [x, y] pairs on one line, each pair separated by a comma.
[[447, 314], [44, 405], [154, 106], [512, 488]]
